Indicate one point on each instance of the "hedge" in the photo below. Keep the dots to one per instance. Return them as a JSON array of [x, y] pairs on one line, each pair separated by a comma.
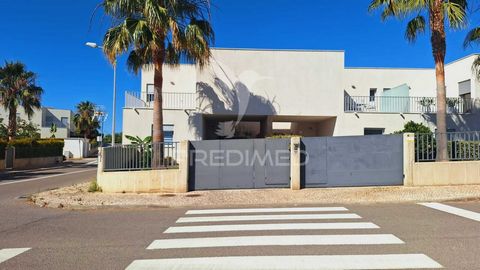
[[30, 148]]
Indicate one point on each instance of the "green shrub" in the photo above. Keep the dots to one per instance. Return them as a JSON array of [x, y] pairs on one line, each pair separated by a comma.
[[30, 148], [464, 150], [94, 187], [413, 127]]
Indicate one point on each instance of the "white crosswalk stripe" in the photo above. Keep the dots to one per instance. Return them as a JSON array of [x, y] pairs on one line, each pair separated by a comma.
[[313, 220], [266, 217], [277, 240], [350, 262], [265, 210], [8, 253], [273, 227], [453, 210]]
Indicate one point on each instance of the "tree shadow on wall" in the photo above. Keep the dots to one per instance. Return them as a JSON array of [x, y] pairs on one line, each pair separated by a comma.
[[236, 101]]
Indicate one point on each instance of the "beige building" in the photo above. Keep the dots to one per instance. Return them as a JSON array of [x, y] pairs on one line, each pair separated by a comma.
[[44, 118], [260, 93]]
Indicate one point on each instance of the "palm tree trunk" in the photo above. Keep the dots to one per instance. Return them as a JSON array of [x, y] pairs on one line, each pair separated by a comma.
[[157, 136], [12, 122], [439, 46]]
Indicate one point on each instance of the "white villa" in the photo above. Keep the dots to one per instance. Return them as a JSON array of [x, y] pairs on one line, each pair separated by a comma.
[[260, 93], [44, 118]]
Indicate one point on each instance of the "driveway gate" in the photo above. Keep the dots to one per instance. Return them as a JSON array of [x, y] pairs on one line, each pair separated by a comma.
[[372, 160], [235, 164]]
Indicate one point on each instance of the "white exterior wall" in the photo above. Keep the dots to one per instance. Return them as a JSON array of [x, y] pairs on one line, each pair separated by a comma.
[[458, 71], [175, 79], [138, 122], [281, 82], [295, 84], [77, 147]]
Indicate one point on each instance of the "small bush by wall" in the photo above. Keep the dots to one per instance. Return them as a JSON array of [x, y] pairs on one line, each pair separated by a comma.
[[29, 148]]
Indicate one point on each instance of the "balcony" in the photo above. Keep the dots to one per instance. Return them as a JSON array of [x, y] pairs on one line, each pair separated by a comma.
[[387, 104], [171, 101]]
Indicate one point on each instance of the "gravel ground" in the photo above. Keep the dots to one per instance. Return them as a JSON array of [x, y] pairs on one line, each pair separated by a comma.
[[78, 197]]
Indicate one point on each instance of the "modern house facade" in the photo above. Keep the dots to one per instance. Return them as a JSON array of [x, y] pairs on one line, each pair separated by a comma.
[[261, 93], [44, 117]]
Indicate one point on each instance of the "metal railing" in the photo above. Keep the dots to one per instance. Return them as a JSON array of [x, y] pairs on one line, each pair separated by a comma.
[[460, 146], [171, 100], [387, 104], [133, 157]]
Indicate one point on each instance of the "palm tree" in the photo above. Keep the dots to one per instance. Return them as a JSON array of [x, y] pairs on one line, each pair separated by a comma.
[[157, 33], [438, 12], [18, 87], [85, 122]]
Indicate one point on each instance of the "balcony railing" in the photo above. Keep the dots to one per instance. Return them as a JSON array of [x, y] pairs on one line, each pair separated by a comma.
[[171, 100], [386, 104]]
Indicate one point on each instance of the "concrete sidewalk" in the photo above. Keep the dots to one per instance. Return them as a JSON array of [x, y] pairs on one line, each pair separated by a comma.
[[77, 197]]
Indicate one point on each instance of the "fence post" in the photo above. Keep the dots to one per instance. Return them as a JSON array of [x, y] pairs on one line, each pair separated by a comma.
[[183, 163], [295, 163], [100, 165], [408, 158]]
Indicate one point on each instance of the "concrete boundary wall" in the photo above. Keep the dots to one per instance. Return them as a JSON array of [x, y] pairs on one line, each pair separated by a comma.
[[167, 180], [176, 180], [32, 163], [437, 173]]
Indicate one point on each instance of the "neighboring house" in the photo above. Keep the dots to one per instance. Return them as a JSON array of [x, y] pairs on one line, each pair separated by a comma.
[[44, 118], [260, 93]]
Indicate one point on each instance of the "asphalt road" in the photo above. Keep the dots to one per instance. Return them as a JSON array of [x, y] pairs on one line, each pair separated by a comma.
[[388, 235]]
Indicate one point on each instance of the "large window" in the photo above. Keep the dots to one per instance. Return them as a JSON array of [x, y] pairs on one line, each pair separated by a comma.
[[150, 92], [373, 92]]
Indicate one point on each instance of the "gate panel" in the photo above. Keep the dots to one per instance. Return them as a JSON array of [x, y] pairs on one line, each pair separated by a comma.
[[277, 173], [236, 172], [354, 161], [316, 169], [202, 176], [234, 164]]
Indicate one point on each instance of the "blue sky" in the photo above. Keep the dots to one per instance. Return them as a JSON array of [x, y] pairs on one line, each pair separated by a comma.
[[49, 37]]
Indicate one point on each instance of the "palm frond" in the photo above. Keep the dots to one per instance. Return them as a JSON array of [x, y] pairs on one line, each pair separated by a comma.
[[455, 12], [473, 37], [414, 27], [476, 67]]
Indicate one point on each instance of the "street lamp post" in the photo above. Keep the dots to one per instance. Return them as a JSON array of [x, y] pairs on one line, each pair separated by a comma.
[[95, 46]]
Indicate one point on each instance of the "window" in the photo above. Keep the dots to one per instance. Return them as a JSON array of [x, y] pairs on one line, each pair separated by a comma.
[[167, 133], [373, 92], [464, 88], [150, 92], [373, 131], [64, 121]]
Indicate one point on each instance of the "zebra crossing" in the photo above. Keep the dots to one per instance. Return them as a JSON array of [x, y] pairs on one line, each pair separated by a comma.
[[8, 253], [287, 227]]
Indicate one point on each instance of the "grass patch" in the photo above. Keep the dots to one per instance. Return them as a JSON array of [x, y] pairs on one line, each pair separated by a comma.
[[94, 187]]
